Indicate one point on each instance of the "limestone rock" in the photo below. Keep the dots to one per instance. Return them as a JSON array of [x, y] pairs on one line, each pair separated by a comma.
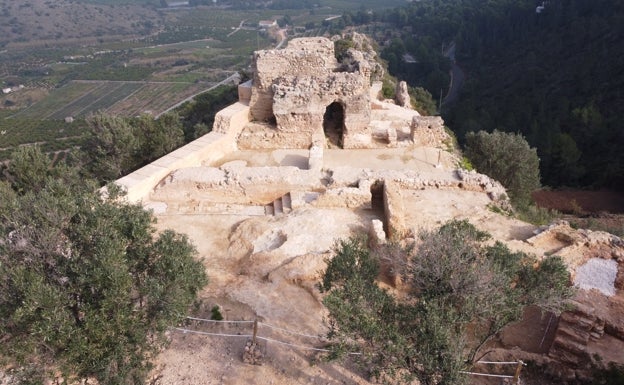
[[252, 354], [402, 97], [377, 235], [395, 211], [472, 180], [429, 131]]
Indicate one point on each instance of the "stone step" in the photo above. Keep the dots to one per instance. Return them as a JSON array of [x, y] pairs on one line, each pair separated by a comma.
[[268, 209], [278, 207], [570, 333], [286, 203]]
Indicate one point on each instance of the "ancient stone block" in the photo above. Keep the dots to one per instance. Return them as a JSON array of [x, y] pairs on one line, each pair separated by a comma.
[[394, 210], [402, 97], [428, 131]]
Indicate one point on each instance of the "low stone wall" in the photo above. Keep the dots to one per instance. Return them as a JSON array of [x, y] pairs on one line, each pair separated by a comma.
[[394, 209], [416, 180], [351, 197], [240, 185], [209, 148]]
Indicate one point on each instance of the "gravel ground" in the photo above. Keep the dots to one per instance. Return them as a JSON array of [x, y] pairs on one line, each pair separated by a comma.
[[597, 274]]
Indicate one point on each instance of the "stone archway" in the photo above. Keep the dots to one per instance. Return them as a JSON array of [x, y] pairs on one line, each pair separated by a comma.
[[334, 124]]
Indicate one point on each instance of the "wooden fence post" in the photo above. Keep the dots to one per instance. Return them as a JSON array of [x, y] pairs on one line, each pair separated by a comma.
[[516, 379], [255, 331]]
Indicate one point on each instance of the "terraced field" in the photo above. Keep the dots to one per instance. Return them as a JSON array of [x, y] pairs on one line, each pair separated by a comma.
[[154, 98], [80, 98], [52, 135]]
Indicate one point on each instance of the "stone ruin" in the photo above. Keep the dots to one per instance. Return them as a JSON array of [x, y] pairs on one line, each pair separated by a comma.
[[300, 98], [303, 94]]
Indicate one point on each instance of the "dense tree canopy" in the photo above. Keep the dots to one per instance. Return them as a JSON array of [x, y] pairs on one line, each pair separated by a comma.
[[87, 287], [553, 75], [116, 145], [458, 292], [508, 159]]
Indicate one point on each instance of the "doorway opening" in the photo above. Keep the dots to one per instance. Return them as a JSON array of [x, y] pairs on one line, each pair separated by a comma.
[[333, 124]]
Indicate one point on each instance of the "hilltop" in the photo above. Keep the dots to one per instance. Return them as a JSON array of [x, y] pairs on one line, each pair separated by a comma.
[[266, 200]]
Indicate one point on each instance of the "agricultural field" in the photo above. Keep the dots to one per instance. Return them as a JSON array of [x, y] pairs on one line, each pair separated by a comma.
[[163, 57], [54, 136], [80, 98]]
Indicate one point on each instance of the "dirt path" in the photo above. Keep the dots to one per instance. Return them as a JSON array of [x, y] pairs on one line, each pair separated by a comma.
[[240, 26]]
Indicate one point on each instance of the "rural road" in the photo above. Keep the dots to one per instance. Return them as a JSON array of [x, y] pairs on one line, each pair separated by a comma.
[[457, 77], [282, 35], [230, 78], [237, 28]]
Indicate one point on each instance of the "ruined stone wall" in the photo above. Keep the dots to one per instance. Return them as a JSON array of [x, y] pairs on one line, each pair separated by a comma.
[[233, 185], [394, 209], [244, 92], [303, 57], [429, 131], [299, 104], [295, 86], [209, 148]]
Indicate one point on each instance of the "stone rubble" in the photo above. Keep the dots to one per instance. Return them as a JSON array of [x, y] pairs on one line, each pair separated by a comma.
[[252, 354]]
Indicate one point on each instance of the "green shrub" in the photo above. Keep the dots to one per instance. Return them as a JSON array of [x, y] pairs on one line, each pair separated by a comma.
[[459, 289], [536, 215], [509, 159], [465, 164], [215, 313]]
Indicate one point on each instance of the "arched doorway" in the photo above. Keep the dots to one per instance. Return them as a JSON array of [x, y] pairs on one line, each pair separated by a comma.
[[333, 124]]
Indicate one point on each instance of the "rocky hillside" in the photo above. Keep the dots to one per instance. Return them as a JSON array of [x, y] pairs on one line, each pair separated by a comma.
[[33, 20]]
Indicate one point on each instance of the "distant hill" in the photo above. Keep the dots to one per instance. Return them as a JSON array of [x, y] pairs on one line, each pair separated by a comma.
[[32, 20]]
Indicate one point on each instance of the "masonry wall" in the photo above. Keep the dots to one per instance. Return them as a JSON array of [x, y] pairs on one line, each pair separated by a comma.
[[394, 210], [303, 57], [209, 148], [299, 105]]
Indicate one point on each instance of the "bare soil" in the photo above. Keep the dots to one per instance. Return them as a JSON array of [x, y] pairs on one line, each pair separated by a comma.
[[580, 201], [267, 268], [596, 210]]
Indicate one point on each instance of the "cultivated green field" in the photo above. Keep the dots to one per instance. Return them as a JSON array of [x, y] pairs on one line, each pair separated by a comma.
[[51, 135], [80, 98]]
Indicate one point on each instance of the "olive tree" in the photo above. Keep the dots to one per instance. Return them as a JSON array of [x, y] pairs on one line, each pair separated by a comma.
[[115, 145], [508, 158], [458, 292], [87, 285]]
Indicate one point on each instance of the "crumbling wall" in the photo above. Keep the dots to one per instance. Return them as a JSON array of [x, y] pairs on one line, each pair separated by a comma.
[[402, 96], [299, 104], [351, 197], [596, 320], [313, 57], [295, 86], [244, 92], [233, 185], [394, 210], [428, 131]]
